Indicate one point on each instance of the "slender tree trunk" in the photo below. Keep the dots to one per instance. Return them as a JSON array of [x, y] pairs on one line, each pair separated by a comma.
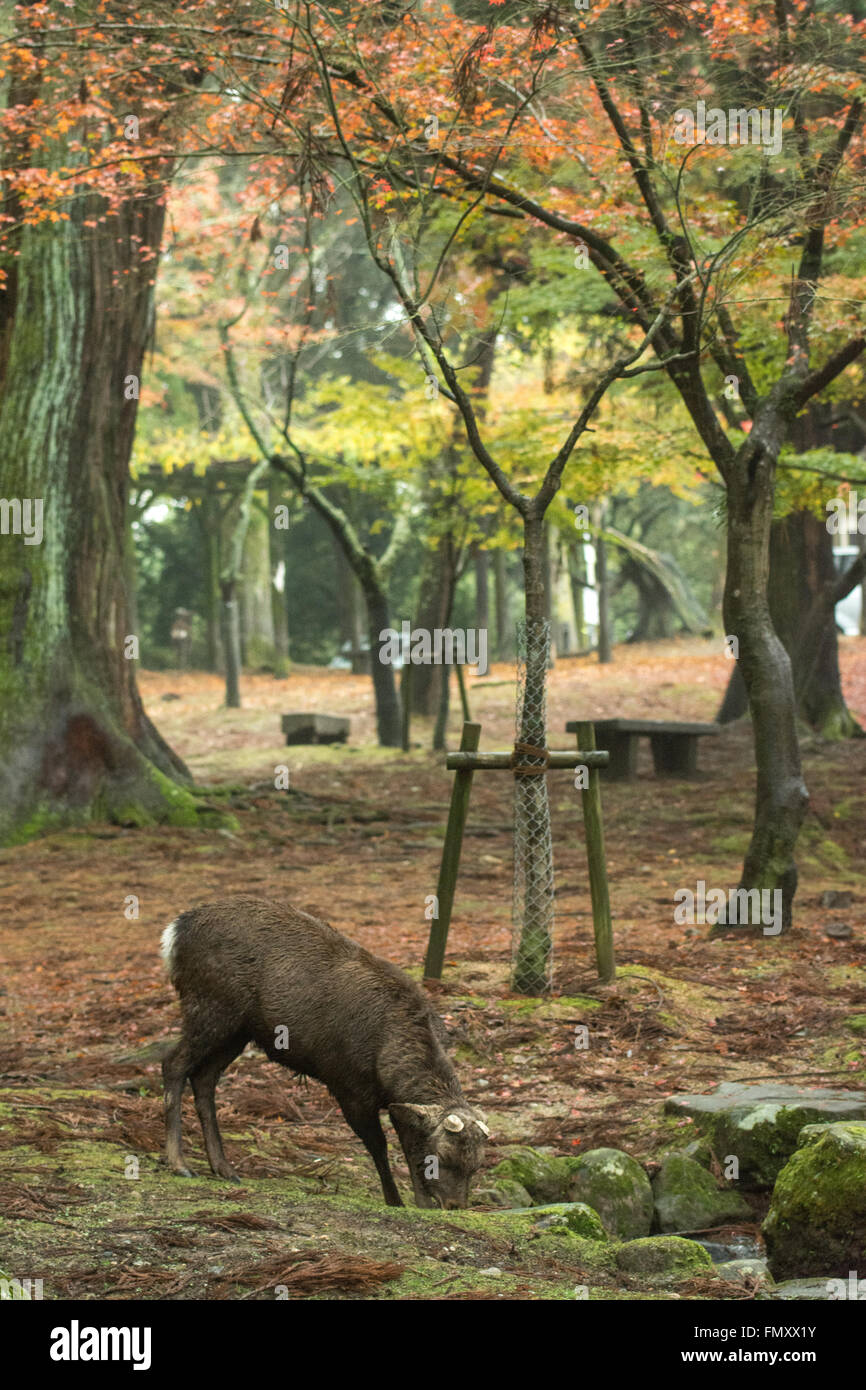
[[349, 615], [500, 589], [276, 559], [231, 634], [229, 579], [604, 643], [389, 723], [532, 962], [766, 669], [482, 590], [210, 525], [577, 577], [436, 597], [547, 574]]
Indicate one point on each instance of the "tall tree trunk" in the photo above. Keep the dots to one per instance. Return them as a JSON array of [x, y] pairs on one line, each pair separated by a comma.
[[349, 615], [231, 635], [766, 669], [801, 567], [229, 581], [389, 723], [209, 519], [482, 590], [500, 590], [577, 579], [75, 742], [277, 571], [605, 654], [436, 597]]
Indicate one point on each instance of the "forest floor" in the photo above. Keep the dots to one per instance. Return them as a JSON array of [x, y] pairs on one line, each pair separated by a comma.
[[86, 1010]]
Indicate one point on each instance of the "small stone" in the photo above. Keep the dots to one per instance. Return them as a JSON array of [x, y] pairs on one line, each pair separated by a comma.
[[744, 1271], [839, 931], [504, 1192], [576, 1217], [493, 1272], [836, 897]]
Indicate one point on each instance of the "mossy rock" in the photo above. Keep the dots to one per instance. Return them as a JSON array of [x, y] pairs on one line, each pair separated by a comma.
[[669, 1257], [817, 1218], [760, 1125], [687, 1199], [544, 1176], [505, 1192], [576, 1217], [856, 1023], [615, 1186]]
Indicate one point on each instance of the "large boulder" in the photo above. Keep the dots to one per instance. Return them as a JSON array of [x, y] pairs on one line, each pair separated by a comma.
[[817, 1218], [799, 1290], [617, 1188], [687, 1199], [760, 1125]]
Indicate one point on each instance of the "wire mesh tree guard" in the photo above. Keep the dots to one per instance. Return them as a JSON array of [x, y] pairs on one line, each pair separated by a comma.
[[533, 900]]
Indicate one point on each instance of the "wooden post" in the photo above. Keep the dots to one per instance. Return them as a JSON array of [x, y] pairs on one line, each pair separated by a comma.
[[464, 699], [406, 698], [457, 812], [591, 799]]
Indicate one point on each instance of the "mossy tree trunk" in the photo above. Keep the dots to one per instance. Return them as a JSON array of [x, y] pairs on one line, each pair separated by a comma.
[[801, 574], [75, 742]]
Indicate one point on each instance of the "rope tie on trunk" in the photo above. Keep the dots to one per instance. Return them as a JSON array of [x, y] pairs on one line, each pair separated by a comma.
[[529, 750]]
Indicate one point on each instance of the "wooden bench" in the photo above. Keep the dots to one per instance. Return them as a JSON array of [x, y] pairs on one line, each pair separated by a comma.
[[674, 746], [315, 728]]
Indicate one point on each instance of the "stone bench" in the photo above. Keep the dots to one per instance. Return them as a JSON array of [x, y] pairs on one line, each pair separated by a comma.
[[674, 746], [315, 728]]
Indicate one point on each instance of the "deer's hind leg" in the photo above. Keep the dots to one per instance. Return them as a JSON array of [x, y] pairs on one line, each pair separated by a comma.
[[204, 1081], [175, 1069]]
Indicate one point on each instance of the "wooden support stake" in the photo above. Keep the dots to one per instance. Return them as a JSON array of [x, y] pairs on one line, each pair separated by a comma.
[[464, 698], [591, 798], [457, 813]]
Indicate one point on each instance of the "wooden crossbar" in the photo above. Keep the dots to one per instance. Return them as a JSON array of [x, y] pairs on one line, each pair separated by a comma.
[[556, 758]]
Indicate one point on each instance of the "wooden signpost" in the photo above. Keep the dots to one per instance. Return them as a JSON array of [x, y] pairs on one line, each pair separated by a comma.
[[468, 761]]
